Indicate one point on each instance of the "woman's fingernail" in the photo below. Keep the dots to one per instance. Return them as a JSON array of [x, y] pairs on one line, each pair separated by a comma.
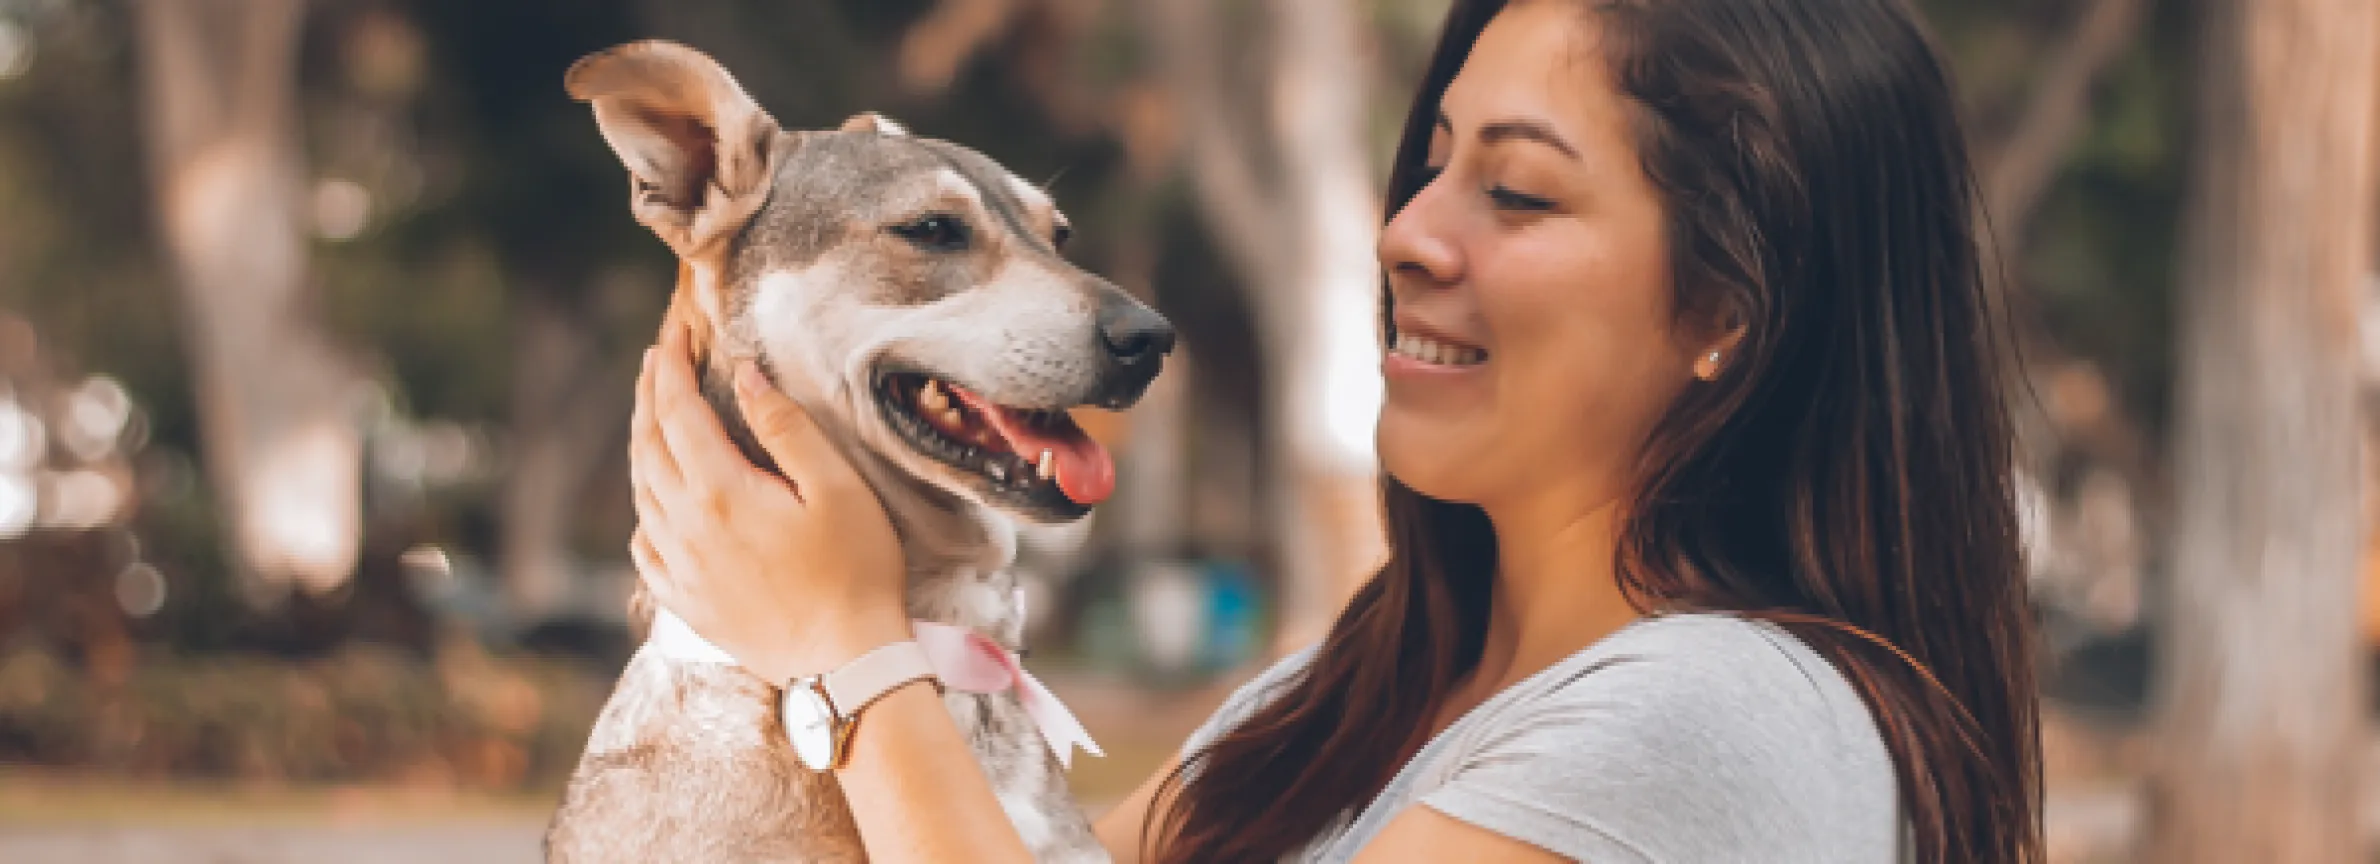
[[747, 377]]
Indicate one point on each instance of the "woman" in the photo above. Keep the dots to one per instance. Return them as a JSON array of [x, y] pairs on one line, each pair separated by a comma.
[[1698, 490]]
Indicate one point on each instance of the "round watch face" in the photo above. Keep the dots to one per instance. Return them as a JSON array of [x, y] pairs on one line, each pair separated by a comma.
[[809, 725]]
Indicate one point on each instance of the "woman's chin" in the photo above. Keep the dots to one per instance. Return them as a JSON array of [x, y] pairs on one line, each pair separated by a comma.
[[1431, 473]]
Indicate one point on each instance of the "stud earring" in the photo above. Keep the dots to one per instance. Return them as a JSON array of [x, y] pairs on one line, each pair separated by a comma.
[[1710, 367]]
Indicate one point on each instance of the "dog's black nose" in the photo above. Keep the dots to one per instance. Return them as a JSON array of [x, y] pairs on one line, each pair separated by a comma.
[[1134, 333]]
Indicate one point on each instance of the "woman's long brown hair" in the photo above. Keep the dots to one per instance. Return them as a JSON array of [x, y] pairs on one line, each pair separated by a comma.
[[1847, 476]]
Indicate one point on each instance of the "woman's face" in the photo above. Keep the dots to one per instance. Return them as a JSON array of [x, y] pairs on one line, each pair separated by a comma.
[[1535, 261]]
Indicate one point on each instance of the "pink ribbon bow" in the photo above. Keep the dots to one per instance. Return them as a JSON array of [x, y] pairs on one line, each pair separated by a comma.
[[970, 662]]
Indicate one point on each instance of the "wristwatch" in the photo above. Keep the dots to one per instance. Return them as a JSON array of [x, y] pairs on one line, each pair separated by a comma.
[[820, 712]]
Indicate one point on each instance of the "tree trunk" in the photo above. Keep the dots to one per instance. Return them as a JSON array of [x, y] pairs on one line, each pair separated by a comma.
[[568, 397], [2260, 671], [282, 448], [2021, 165], [1287, 189]]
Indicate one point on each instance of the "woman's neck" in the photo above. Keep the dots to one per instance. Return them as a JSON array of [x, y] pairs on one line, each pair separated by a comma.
[[1556, 588]]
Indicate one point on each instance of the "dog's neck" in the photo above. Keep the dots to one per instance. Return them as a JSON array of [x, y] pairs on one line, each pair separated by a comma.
[[957, 551]]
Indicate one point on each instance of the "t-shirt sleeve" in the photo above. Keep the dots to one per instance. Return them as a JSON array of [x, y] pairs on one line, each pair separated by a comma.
[[1660, 757]]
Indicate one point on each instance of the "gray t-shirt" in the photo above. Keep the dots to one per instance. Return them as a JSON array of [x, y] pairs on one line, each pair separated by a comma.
[[1678, 739]]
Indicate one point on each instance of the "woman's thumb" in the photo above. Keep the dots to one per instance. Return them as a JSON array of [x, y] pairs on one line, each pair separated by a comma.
[[792, 439]]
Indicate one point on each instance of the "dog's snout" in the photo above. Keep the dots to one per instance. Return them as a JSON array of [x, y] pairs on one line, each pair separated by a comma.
[[1134, 333]]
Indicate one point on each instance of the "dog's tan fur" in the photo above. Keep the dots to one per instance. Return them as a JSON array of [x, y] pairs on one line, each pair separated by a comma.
[[779, 263]]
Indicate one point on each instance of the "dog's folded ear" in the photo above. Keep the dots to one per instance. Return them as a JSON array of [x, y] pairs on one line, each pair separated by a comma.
[[696, 146], [870, 121]]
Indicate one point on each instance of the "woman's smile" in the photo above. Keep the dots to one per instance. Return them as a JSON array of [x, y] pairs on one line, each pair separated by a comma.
[[1419, 352]]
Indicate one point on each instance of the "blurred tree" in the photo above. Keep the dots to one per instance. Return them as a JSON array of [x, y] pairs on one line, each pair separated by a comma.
[[583, 286], [2261, 676], [228, 186], [1279, 156], [2021, 156]]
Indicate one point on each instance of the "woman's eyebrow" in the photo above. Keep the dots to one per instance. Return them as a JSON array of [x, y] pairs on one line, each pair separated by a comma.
[[1526, 130], [1517, 130]]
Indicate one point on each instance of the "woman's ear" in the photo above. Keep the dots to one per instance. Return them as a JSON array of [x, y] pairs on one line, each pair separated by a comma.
[[1719, 349]]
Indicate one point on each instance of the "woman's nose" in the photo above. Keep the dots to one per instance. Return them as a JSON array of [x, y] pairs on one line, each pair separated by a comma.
[[1416, 243]]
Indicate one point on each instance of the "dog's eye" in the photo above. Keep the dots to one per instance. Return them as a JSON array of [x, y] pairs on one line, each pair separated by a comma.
[[1060, 235], [940, 232]]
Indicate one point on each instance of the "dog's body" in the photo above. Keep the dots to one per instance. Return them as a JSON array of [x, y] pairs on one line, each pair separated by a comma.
[[908, 293]]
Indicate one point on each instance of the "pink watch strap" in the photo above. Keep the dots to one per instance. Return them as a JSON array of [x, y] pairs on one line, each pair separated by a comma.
[[868, 678]]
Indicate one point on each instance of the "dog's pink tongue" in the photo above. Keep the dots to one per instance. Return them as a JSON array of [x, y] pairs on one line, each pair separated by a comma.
[[1084, 472]]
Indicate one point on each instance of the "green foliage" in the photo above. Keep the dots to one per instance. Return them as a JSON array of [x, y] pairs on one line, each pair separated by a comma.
[[363, 714], [2096, 262]]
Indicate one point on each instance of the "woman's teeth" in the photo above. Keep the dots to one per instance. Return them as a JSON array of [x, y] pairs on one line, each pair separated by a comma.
[[1438, 353]]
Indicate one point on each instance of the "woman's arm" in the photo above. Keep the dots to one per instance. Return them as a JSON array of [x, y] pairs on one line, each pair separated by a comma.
[[915, 790], [1420, 834], [1119, 829]]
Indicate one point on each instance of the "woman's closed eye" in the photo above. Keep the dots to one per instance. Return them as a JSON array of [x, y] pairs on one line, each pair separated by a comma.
[[1502, 196], [1508, 198]]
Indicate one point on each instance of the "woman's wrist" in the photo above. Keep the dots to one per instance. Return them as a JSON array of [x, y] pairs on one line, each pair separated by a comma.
[[825, 648]]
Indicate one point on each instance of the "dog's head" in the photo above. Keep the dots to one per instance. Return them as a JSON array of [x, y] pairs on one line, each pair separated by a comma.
[[910, 289]]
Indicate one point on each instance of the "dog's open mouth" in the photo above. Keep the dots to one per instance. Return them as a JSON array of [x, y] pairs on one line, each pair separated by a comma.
[[1021, 451]]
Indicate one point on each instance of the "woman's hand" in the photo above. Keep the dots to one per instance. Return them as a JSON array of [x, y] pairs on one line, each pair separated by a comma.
[[791, 575]]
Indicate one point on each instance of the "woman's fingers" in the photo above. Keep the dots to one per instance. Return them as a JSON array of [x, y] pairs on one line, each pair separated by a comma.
[[648, 561], [671, 555], [654, 569], [789, 434], [648, 503], [649, 459], [690, 428]]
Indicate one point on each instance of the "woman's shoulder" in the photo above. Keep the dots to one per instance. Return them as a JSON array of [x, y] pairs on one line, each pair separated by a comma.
[[1681, 737], [1706, 666], [1714, 665], [1697, 701]]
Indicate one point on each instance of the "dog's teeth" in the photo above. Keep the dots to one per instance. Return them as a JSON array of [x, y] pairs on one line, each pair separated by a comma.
[[998, 471], [1049, 465]]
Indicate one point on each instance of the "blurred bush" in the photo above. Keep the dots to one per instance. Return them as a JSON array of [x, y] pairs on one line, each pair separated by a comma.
[[468, 720]]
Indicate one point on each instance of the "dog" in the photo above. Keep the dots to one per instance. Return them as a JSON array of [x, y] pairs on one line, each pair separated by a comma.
[[910, 294]]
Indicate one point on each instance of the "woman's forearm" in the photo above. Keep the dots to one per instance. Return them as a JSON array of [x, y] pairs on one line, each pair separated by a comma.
[[916, 791]]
